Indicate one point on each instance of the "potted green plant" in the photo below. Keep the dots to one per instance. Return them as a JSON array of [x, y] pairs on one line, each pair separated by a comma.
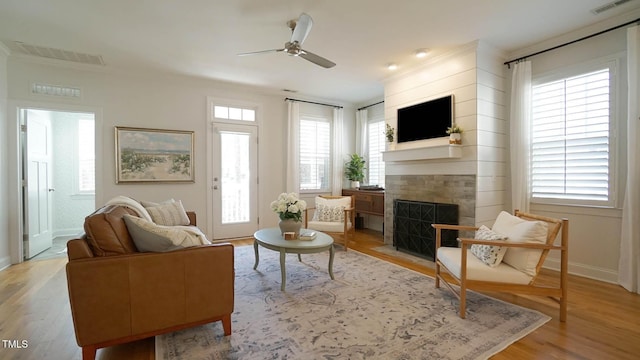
[[389, 133], [354, 170], [455, 135]]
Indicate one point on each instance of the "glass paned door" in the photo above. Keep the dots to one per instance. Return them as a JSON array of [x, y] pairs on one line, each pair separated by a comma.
[[234, 181]]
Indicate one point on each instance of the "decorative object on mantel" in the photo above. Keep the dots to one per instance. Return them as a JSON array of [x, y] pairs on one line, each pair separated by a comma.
[[389, 133], [289, 208], [354, 170], [455, 135]]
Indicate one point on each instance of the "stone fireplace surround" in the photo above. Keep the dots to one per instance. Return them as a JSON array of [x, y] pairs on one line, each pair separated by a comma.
[[451, 189]]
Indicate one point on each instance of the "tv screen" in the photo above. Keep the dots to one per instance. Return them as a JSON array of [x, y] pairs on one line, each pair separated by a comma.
[[427, 120]]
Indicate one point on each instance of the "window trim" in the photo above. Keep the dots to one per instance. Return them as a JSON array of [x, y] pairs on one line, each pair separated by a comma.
[[613, 63]]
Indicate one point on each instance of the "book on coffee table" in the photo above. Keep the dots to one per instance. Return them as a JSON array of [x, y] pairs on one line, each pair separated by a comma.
[[307, 235]]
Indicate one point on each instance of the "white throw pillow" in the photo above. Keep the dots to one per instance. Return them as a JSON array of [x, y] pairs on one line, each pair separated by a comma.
[[330, 213], [345, 202], [169, 214], [150, 237], [520, 230], [489, 254]]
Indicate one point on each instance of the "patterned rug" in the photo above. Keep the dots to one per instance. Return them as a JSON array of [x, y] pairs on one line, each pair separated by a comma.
[[372, 310]]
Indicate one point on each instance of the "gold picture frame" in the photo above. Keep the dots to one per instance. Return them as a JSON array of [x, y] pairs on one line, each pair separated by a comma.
[[154, 155]]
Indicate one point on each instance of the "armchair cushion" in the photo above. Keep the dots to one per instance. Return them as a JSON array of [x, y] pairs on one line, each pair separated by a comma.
[[520, 230], [478, 270], [150, 237], [169, 214], [489, 254]]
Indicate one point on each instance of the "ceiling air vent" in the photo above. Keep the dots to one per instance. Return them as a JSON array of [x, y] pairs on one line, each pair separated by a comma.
[[58, 54], [609, 6]]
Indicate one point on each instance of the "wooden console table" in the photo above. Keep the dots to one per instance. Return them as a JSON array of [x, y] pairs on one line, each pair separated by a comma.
[[368, 201]]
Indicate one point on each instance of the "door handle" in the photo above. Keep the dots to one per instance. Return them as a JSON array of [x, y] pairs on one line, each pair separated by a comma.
[[215, 187], [52, 190]]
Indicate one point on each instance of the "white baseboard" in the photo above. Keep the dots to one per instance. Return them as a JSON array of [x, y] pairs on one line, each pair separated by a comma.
[[588, 271], [5, 262], [67, 232]]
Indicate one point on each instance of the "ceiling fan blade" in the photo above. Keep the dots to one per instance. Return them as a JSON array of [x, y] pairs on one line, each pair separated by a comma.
[[302, 28], [316, 59], [261, 52]]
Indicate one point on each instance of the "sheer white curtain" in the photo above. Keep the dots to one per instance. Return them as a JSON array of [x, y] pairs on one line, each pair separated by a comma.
[[629, 264], [293, 150], [337, 161], [362, 129], [520, 125]]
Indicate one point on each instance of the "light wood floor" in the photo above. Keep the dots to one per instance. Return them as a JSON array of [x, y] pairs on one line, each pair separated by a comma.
[[603, 321]]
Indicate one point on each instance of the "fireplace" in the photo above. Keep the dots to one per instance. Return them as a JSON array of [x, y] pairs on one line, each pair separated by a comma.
[[412, 230], [444, 189]]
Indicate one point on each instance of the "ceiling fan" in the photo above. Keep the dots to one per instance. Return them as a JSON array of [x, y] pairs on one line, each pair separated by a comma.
[[300, 29]]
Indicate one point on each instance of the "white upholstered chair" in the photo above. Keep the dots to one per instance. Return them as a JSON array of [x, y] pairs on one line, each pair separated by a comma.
[[490, 263], [334, 215]]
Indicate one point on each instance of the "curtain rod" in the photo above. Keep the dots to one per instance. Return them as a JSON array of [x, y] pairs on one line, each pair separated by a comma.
[[508, 63], [312, 102], [368, 106]]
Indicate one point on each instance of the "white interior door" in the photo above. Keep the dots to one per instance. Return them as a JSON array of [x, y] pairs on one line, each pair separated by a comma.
[[235, 181], [37, 172]]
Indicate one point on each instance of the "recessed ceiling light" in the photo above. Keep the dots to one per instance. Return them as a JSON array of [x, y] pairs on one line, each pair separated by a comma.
[[392, 66], [420, 53]]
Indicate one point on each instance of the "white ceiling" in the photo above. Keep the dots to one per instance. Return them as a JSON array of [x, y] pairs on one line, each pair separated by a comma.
[[202, 37]]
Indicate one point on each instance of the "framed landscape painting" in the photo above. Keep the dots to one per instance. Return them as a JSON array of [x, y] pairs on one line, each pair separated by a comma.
[[154, 155]]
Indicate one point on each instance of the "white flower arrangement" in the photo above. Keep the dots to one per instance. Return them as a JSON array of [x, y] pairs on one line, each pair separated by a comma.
[[289, 206]]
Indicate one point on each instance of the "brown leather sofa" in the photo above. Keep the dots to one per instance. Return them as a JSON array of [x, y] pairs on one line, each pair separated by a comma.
[[118, 294]]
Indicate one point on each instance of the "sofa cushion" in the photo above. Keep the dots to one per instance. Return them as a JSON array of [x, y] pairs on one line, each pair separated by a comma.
[[520, 230], [107, 233], [150, 237], [477, 270], [169, 214], [330, 205], [489, 254]]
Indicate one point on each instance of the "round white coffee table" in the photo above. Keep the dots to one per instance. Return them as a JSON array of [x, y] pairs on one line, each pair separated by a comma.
[[272, 239]]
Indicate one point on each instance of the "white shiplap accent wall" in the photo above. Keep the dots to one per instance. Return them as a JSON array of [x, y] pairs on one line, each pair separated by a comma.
[[492, 137], [474, 74]]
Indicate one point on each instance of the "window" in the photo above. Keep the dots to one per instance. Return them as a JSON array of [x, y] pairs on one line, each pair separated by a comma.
[[315, 154], [234, 113], [376, 139], [571, 137], [86, 156]]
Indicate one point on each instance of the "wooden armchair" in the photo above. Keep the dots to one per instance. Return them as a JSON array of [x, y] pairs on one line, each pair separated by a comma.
[[333, 215], [470, 272]]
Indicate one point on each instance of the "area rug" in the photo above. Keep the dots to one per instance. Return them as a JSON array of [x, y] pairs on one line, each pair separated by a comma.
[[372, 310]]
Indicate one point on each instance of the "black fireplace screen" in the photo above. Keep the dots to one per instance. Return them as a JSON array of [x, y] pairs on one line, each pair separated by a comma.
[[412, 231]]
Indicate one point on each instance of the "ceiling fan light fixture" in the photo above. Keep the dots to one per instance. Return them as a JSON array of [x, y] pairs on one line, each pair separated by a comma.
[[392, 66]]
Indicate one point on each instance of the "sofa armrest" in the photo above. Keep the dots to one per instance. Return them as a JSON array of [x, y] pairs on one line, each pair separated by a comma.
[[78, 249], [147, 293]]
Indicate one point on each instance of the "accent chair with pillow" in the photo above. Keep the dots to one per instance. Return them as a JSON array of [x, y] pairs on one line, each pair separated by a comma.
[[130, 278], [332, 215], [506, 258]]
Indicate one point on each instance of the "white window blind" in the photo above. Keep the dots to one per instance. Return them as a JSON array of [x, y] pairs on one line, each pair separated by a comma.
[[375, 132], [315, 154], [570, 157], [86, 156]]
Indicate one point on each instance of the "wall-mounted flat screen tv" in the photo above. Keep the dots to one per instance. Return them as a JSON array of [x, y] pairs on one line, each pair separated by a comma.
[[427, 120]]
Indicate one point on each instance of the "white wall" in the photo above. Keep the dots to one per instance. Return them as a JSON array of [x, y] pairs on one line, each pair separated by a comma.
[[594, 233], [163, 102], [4, 148]]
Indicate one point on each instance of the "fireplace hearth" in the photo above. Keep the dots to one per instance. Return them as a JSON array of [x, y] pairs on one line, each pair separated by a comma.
[[412, 230]]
